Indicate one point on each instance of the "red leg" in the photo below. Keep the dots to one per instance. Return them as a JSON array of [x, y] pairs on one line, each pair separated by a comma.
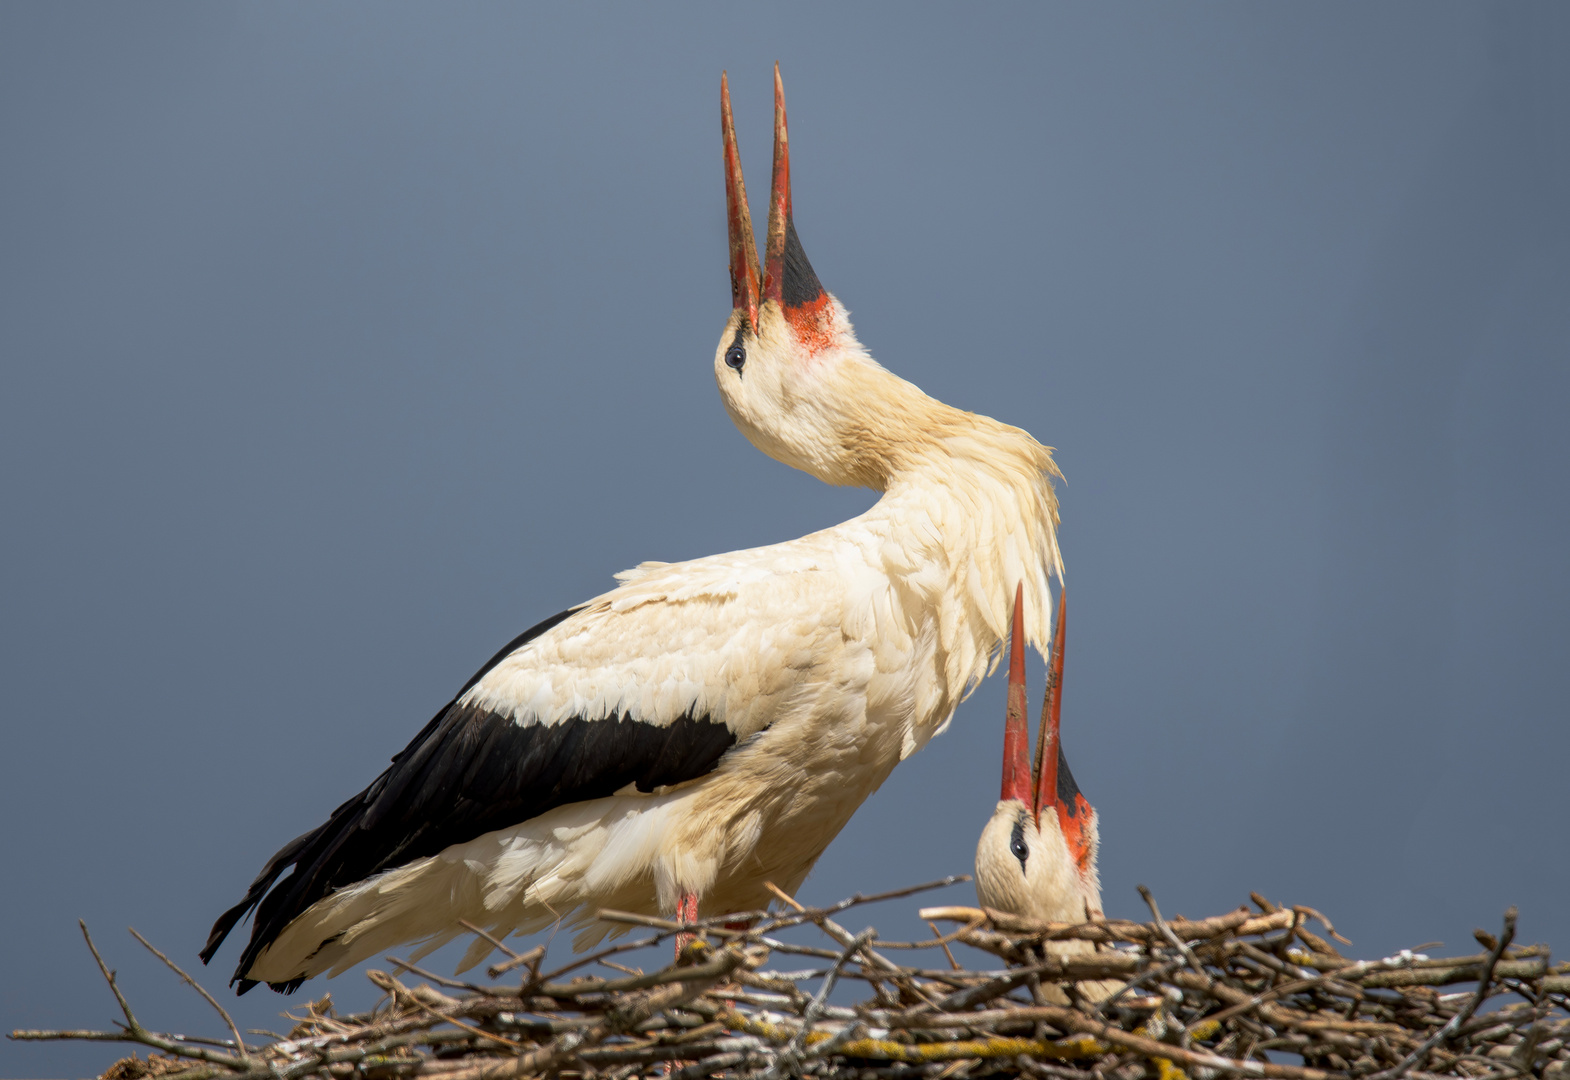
[[686, 911]]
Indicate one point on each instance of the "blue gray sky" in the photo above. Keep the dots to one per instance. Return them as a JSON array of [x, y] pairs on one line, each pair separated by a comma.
[[339, 343]]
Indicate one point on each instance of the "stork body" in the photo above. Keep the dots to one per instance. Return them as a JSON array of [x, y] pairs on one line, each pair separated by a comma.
[[707, 726]]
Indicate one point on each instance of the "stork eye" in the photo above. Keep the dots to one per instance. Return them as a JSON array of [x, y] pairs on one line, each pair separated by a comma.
[[735, 358], [1017, 844]]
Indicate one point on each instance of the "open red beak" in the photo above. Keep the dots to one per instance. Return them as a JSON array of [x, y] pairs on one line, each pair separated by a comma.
[[1047, 783], [784, 276]]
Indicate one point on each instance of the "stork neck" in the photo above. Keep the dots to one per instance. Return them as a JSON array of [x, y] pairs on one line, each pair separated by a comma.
[[976, 498], [893, 433]]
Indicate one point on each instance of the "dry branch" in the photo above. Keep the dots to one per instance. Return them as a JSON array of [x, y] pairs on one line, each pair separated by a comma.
[[1243, 994]]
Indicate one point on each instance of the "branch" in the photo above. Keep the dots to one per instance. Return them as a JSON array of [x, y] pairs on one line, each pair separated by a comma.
[[1166, 932], [1416, 1057], [239, 1043]]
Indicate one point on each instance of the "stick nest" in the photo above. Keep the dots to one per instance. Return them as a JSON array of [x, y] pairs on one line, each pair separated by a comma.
[[1252, 993]]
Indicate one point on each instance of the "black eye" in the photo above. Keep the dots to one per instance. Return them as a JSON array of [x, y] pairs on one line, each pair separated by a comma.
[[1017, 843], [735, 357]]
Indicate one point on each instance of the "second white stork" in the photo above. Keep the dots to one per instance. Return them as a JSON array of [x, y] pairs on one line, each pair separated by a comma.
[[706, 726], [1037, 856]]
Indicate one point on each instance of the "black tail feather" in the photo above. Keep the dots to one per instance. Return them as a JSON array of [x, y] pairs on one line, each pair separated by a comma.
[[253, 896]]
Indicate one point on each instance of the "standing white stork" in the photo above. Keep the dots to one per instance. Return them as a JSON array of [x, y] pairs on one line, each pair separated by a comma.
[[1037, 856], [706, 726]]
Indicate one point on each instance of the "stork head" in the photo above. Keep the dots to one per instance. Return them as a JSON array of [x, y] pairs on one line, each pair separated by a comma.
[[791, 373], [1037, 856]]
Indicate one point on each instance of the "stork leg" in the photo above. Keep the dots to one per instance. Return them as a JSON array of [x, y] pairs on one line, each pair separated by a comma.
[[686, 912]]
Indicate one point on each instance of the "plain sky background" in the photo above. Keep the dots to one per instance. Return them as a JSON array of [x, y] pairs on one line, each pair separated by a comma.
[[340, 343]]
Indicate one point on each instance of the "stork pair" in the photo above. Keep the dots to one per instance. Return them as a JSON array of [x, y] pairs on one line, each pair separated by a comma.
[[706, 727]]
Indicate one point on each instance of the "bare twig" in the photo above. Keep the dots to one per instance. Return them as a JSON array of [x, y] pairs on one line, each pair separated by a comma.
[[239, 1043], [1416, 1057], [485, 935], [125, 1007], [944, 941], [790, 1058], [592, 958], [1166, 932], [530, 960], [135, 1032], [398, 990], [1209, 1005]]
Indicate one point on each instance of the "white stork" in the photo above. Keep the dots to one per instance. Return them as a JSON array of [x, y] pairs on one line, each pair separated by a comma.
[[706, 726], [1037, 856]]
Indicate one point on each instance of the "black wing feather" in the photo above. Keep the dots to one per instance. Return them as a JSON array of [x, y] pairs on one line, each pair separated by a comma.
[[468, 772]]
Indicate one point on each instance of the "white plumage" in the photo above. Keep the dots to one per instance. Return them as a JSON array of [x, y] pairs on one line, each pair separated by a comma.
[[706, 726]]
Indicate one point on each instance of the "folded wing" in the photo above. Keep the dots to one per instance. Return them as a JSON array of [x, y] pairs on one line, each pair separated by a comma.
[[648, 686]]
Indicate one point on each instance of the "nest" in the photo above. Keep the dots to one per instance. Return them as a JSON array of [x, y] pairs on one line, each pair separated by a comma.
[[1252, 993]]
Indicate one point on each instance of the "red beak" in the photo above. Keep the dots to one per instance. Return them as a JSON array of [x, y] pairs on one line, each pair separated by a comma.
[[1048, 746], [1016, 732], [779, 202], [1055, 786], [785, 276], [743, 245], [1047, 784]]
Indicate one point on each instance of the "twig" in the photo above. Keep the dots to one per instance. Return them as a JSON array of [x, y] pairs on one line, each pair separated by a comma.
[[790, 1058], [1416, 1057], [844, 1037], [530, 959], [130, 1018], [1304, 909], [626, 946], [1106, 931], [1154, 974], [488, 937], [439, 980], [783, 895], [834, 929], [239, 1043], [1166, 931], [548, 1057], [944, 941], [135, 1032], [938, 939], [1075, 1021], [397, 989], [1209, 1006]]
